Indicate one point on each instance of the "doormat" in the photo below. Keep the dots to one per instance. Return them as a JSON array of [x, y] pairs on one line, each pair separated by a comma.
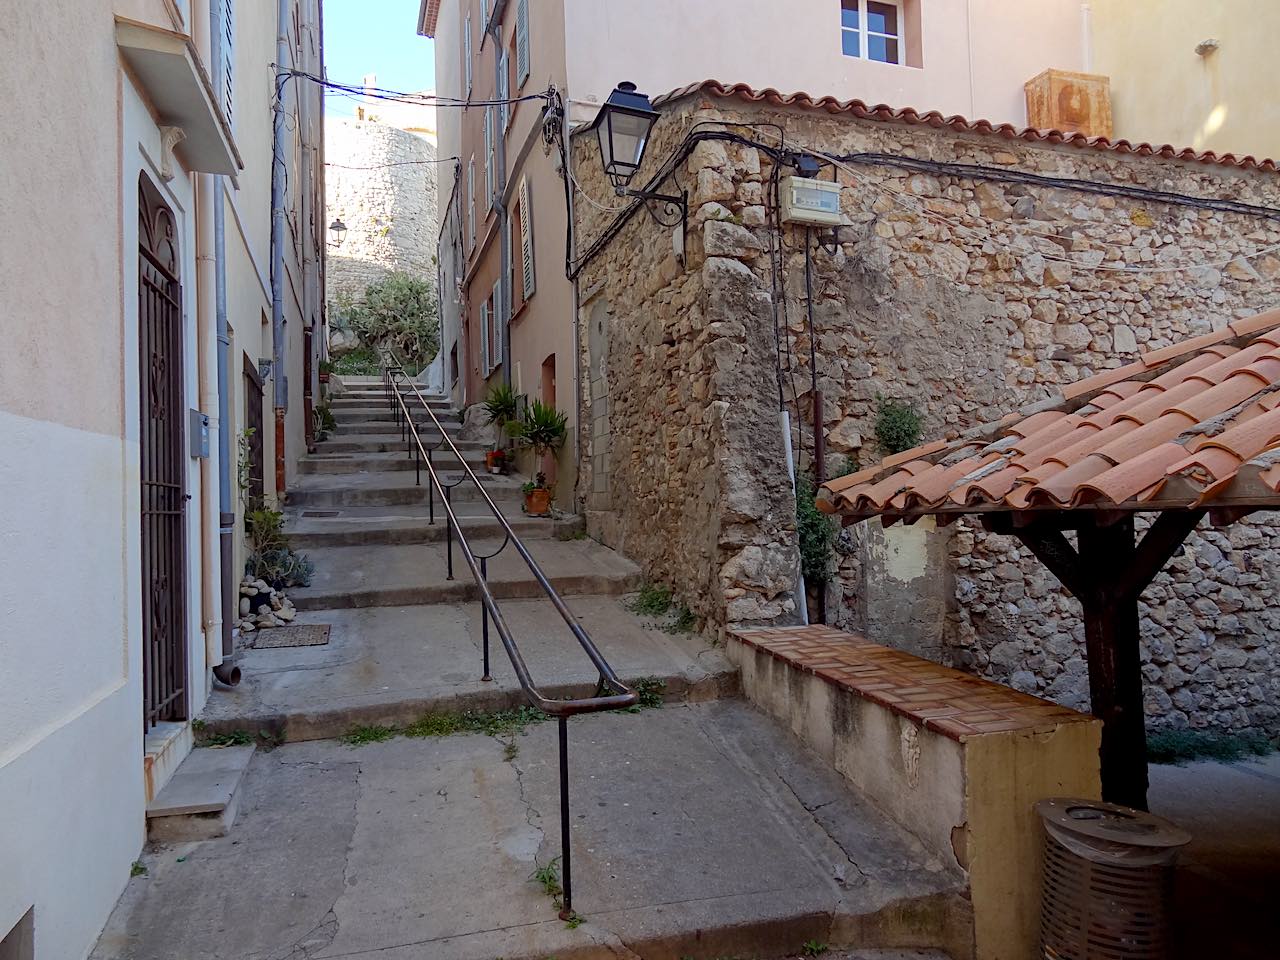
[[319, 513], [298, 635]]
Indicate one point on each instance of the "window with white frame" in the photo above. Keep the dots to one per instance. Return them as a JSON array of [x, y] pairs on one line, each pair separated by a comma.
[[872, 30], [471, 202], [522, 43], [489, 158]]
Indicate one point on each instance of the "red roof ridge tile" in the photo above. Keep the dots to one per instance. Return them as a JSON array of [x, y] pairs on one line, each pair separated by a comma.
[[932, 118]]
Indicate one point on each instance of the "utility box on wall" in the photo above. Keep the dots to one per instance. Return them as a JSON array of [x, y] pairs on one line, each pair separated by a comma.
[[1070, 102], [198, 433], [805, 200]]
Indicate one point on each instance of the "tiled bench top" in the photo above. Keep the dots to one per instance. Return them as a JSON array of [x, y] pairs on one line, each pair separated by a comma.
[[954, 704]]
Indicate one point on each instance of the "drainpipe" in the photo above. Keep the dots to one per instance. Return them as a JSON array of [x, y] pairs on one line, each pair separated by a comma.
[[278, 161], [1086, 36], [225, 671]]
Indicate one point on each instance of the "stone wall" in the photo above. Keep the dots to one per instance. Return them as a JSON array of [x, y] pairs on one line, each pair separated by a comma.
[[379, 182], [966, 297]]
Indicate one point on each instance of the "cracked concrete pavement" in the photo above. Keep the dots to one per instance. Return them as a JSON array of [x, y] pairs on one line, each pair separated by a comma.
[[698, 830]]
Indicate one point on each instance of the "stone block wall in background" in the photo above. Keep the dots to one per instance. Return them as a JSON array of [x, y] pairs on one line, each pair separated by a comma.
[[953, 293], [380, 182]]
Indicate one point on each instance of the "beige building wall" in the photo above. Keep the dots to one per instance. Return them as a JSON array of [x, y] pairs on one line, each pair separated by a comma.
[[76, 769], [1164, 91]]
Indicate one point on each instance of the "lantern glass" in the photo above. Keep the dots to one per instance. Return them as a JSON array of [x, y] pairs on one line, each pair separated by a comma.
[[623, 127], [337, 230]]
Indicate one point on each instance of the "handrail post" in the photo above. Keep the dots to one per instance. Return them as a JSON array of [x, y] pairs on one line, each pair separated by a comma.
[[448, 497], [484, 618], [431, 492], [567, 912], [417, 466]]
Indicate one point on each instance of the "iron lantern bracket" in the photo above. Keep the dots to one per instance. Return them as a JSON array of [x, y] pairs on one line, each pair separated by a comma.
[[675, 209]]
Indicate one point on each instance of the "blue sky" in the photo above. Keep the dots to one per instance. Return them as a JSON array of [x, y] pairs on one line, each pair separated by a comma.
[[375, 36]]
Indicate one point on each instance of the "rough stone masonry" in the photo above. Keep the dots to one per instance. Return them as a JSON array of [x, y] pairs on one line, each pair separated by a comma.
[[962, 295]]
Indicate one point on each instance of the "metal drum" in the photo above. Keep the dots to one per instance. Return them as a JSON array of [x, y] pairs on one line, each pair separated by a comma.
[[1108, 877]]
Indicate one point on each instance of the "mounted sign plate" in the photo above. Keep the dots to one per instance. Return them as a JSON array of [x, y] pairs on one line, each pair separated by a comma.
[[198, 433]]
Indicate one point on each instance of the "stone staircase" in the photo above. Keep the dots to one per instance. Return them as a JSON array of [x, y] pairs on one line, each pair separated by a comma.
[[700, 829]]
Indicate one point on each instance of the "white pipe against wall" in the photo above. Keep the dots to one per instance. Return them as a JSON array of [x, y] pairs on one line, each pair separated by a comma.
[[1086, 36], [206, 345], [802, 598]]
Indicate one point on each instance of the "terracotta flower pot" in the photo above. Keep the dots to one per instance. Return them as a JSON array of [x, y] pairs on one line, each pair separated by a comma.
[[537, 503], [324, 376], [493, 460]]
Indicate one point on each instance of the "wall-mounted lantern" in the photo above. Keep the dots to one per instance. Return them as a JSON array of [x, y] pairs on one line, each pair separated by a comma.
[[337, 231], [622, 126]]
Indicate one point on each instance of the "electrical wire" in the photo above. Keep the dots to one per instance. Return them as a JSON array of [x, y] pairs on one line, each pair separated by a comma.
[[396, 163], [403, 96]]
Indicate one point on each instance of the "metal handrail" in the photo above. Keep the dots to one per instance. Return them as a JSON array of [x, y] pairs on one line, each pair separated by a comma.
[[611, 692]]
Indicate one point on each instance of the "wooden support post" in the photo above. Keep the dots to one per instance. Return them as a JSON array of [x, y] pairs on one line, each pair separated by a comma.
[[1107, 574]]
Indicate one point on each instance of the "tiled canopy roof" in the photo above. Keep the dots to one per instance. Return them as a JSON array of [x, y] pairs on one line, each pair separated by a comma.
[[933, 118], [1195, 424]]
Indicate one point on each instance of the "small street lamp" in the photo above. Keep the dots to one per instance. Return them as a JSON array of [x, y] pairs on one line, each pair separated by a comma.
[[337, 230], [622, 126]]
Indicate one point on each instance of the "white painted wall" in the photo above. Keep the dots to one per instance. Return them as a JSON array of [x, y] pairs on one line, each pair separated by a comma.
[[976, 54]]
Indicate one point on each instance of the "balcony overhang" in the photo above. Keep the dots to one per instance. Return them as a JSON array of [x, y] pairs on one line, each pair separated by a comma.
[[428, 15], [171, 76]]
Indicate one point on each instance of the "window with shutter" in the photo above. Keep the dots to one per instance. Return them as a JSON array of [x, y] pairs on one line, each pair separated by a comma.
[[504, 93], [228, 60], [522, 42], [498, 324], [466, 53], [488, 158], [484, 339], [526, 240], [471, 202]]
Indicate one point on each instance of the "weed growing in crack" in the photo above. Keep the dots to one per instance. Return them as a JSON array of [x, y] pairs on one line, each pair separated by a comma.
[[683, 622], [653, 600], [234, 738], [139, 869], [812, 948], [374, 733], [573, 921], [650, 690], [548, 877], [510, 751]]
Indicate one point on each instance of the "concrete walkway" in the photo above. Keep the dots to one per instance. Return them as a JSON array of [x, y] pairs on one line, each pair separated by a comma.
[[698, 830], [389, 665], [1226, 884]]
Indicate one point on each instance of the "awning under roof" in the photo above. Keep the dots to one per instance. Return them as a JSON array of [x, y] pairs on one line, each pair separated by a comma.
[[1189, 430], [166, 67]]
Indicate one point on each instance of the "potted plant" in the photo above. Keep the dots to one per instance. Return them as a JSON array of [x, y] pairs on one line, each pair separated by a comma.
[[495, 461], [542, 429], [537, 496], [326, 368], [501, 406]]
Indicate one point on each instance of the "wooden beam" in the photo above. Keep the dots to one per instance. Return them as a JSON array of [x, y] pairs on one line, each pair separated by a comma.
[[1159, 543], [1107, 555], [1053, 549]]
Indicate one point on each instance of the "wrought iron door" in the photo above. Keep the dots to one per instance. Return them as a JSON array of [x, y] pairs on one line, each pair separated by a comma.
[[163, 462], [255, 489]]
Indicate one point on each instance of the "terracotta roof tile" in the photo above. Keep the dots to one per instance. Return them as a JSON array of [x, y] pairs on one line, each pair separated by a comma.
[[1189, 423], [932, 118]]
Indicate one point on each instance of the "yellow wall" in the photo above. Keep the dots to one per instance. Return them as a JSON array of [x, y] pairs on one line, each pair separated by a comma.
[[1164, 92]]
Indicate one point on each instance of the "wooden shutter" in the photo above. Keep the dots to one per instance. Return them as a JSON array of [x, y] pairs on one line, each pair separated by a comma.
[[526, 240], [522, 42], [498, 325], [504, 93], [466, 52], [471, 201], [484, 339], [488, 158], [228, 59]]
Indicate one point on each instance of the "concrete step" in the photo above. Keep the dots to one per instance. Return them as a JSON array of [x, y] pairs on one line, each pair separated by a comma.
[[398, 575], [385, 443], [201, 799], [396, 489], [345, 463], [389, 428], [699, 830], [368, 413], [391, 665], [354, 526]]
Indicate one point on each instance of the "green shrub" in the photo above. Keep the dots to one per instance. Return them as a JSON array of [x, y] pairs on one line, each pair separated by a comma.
[[817, 533], [399, 311], [502, 404], [361, 362], [898, 425], [542, 427]]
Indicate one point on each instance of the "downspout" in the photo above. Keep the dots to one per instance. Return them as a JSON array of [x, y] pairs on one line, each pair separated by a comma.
[[1086, 36], [225, 671], [576, 303], [279, 387]]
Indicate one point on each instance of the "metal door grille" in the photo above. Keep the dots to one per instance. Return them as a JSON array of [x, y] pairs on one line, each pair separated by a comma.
[[254, 491], [162, 469]]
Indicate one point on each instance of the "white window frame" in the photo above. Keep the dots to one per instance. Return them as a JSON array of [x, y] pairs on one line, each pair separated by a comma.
[[522, 43], [495, 357], [466, 52], [504, 93], [485, 367], [864, 32]]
